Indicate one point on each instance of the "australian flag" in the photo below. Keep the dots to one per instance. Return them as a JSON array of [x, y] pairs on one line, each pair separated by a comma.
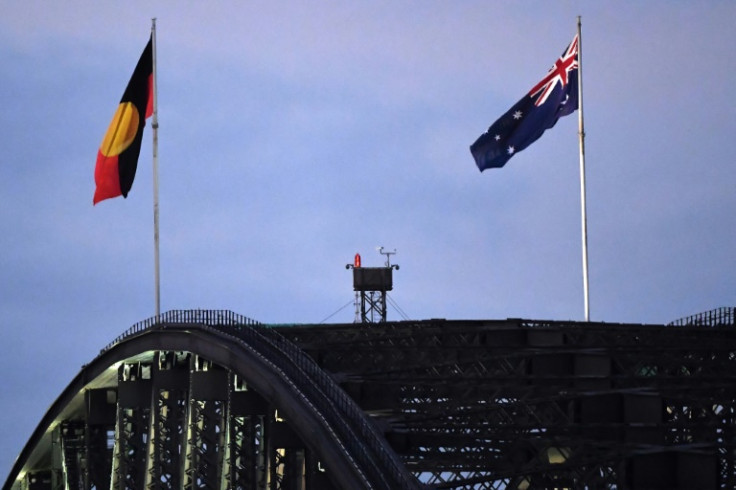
[[556, 95]]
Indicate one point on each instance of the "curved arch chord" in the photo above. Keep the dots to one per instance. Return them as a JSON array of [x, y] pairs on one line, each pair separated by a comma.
[[210, 397]]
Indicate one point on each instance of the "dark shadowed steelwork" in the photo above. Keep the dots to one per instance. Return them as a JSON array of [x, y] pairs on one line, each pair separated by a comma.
[[207, 399], [182, 387], [537, 404]]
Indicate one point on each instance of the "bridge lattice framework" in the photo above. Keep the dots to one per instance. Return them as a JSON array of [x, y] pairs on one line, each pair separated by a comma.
[[210, 399]]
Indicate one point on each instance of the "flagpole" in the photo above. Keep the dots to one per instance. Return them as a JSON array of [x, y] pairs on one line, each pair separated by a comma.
[[155, 173], [581, 138]]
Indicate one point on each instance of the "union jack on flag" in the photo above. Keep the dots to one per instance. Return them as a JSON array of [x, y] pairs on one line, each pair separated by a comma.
[[554, 96]]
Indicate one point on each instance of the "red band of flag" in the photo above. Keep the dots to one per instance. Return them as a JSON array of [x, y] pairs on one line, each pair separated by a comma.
[[117, 157]]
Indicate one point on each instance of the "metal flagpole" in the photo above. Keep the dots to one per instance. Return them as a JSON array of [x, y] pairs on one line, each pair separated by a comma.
[[581, 137], [155, 171]]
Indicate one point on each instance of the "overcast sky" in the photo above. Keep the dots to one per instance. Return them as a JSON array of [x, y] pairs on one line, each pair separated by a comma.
[[293, 135]]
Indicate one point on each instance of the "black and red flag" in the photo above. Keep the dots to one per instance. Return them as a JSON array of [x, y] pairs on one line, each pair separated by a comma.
[[117, 157]]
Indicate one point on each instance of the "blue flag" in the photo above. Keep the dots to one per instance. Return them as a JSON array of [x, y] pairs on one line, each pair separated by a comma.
[[556, 95]]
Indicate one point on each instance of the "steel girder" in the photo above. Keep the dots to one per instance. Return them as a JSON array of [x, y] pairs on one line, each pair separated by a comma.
[[206, 399], [525, 404], [209, 400]]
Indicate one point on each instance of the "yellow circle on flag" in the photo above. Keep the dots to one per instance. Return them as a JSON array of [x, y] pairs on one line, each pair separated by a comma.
[[122, 130]]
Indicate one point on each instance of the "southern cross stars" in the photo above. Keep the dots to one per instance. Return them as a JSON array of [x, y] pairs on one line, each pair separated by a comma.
[[553, 97]]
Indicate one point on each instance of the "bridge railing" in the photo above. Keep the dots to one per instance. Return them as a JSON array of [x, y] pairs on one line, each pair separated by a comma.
[[206, 317], [718, 316]]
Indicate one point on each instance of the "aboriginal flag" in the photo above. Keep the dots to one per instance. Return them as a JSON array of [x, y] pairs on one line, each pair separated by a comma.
[[117, 157]]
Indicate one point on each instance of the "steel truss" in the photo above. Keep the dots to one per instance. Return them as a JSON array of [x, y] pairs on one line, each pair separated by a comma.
[[373, 306], [526, 404], [203, 432], [144, 417], [173, 403]]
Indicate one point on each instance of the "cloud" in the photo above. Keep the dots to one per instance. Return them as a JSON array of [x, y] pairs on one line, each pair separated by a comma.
[[293, 137]]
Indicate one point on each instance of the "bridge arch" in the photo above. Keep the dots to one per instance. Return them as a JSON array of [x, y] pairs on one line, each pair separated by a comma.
[[201, 399]]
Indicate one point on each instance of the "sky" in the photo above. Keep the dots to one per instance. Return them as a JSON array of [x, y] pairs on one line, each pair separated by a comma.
[[294, 135]]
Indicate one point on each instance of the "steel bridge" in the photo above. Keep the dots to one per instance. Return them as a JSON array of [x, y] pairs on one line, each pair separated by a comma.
[[213, 400]]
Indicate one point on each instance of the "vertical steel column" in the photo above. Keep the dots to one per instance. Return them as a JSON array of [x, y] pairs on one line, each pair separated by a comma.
[[245, 458], [246, 461], [286, 455], [207, 416], [99, 433], [170, 392], [133, 427], [294, 469], [73, 452], [373, 306]]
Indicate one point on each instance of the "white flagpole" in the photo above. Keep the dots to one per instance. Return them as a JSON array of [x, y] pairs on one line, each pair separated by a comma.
[[155, 172], [581, 137]]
